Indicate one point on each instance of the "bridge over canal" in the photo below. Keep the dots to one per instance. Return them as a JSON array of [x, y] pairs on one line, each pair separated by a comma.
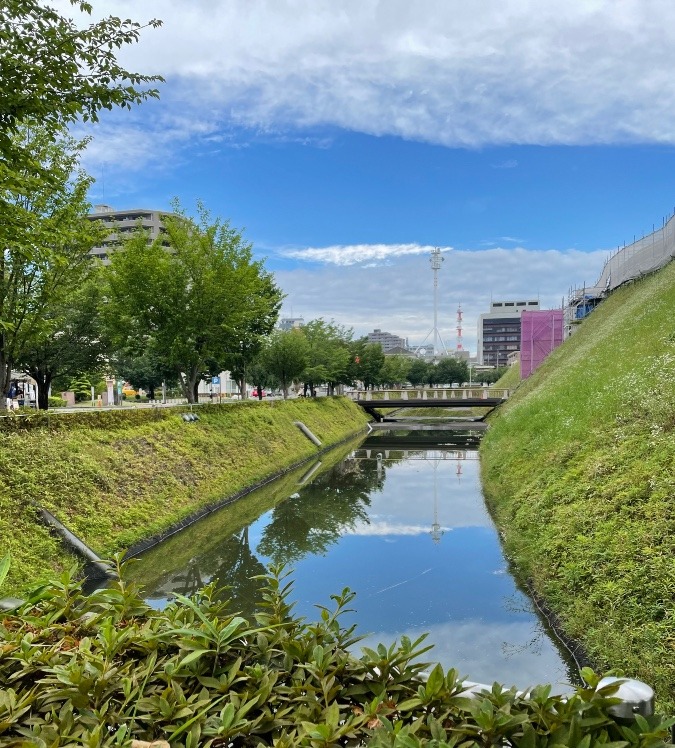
[[465, 398]]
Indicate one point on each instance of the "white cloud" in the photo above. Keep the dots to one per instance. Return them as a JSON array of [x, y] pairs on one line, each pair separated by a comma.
[[518, 71], [384, 528], [372, 254], [398, 296], [486, 651]]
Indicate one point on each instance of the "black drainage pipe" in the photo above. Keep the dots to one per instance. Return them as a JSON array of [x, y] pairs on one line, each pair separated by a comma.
[[97, 568]]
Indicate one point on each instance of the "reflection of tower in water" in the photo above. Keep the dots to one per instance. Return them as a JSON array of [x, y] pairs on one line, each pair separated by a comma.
[[437, 531]]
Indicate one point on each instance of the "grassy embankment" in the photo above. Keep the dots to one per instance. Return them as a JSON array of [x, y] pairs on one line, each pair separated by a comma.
[[115, 478], [578, 468]]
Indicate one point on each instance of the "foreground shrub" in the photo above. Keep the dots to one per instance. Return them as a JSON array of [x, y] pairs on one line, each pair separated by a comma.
[[105, 669]]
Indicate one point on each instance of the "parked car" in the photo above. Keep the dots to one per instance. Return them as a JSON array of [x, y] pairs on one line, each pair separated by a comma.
[[254, 393]]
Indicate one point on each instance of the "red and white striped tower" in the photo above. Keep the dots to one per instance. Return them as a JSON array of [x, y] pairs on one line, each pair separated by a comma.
[[460, 346]]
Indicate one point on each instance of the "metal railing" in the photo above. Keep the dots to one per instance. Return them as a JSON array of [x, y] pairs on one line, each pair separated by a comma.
[[430, 393]]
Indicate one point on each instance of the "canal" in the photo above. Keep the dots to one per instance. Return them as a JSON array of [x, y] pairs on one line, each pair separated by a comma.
[[402, 525]]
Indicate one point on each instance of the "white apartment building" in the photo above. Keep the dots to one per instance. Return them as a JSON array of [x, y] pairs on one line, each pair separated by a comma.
[[121, 222], [290, 323], [386, 339]]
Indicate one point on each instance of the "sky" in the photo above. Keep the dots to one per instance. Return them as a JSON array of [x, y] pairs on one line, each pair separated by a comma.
[[348, 138]]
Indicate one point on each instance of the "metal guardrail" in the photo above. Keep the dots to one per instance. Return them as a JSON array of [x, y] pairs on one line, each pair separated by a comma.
[[430, 393]]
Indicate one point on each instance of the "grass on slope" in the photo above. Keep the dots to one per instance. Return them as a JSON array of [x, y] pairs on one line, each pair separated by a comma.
[[578, 468], [510, 380], [129, 477]]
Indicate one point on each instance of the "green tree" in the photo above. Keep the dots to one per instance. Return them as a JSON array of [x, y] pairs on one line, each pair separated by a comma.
[[285, 357], [450, 369], [70, 343], [259, 376], [243, 353], [144, 367], [417, 373], [328, 354], [53, 70], [394, 370], [198, 301], [80, 385], [37, 276], [490, 376], [367, 362]]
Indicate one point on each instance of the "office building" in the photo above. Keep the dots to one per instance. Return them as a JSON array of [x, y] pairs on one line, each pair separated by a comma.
[[499, 331]]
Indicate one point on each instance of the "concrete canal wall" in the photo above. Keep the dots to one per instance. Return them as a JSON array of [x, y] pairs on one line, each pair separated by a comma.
[[116, 478], [577, 469]]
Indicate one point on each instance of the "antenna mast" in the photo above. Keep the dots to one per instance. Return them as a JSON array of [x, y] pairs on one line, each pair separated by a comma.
[[436, 259], [460, 345]]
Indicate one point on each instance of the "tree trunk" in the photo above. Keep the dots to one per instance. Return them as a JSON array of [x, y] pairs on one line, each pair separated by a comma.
[[5, 377], [151, 392], [44, 380], [195, 391], [190, 383]]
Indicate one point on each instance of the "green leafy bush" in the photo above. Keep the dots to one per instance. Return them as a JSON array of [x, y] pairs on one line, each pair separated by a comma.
[[105, 669], [57, 402]]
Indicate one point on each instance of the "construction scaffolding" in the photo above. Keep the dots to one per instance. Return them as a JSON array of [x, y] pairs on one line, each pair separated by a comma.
[[540, 333], [628, 263]]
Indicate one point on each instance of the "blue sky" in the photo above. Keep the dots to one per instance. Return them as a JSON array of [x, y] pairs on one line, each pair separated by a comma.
[[349, 138]]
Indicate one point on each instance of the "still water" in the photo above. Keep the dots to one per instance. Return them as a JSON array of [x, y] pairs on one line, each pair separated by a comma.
[[406, 529]]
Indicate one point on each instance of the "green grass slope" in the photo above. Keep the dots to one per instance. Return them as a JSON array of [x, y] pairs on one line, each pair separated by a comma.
[[116, 478], [510, 379], [579, 471]]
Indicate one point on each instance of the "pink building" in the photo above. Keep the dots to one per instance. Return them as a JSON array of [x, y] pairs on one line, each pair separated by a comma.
[[540, 333]]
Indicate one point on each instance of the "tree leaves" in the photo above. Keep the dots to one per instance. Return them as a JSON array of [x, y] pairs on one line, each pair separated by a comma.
[[193, 302]]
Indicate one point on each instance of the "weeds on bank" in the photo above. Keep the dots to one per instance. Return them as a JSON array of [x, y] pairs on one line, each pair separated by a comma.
[[105, 669], [117, 477], [578, 470]]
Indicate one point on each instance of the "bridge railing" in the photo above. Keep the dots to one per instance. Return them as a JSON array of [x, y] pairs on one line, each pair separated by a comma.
[[431, 393]]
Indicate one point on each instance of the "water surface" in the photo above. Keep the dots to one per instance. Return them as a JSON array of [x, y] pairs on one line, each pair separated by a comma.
[[407, 530]]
